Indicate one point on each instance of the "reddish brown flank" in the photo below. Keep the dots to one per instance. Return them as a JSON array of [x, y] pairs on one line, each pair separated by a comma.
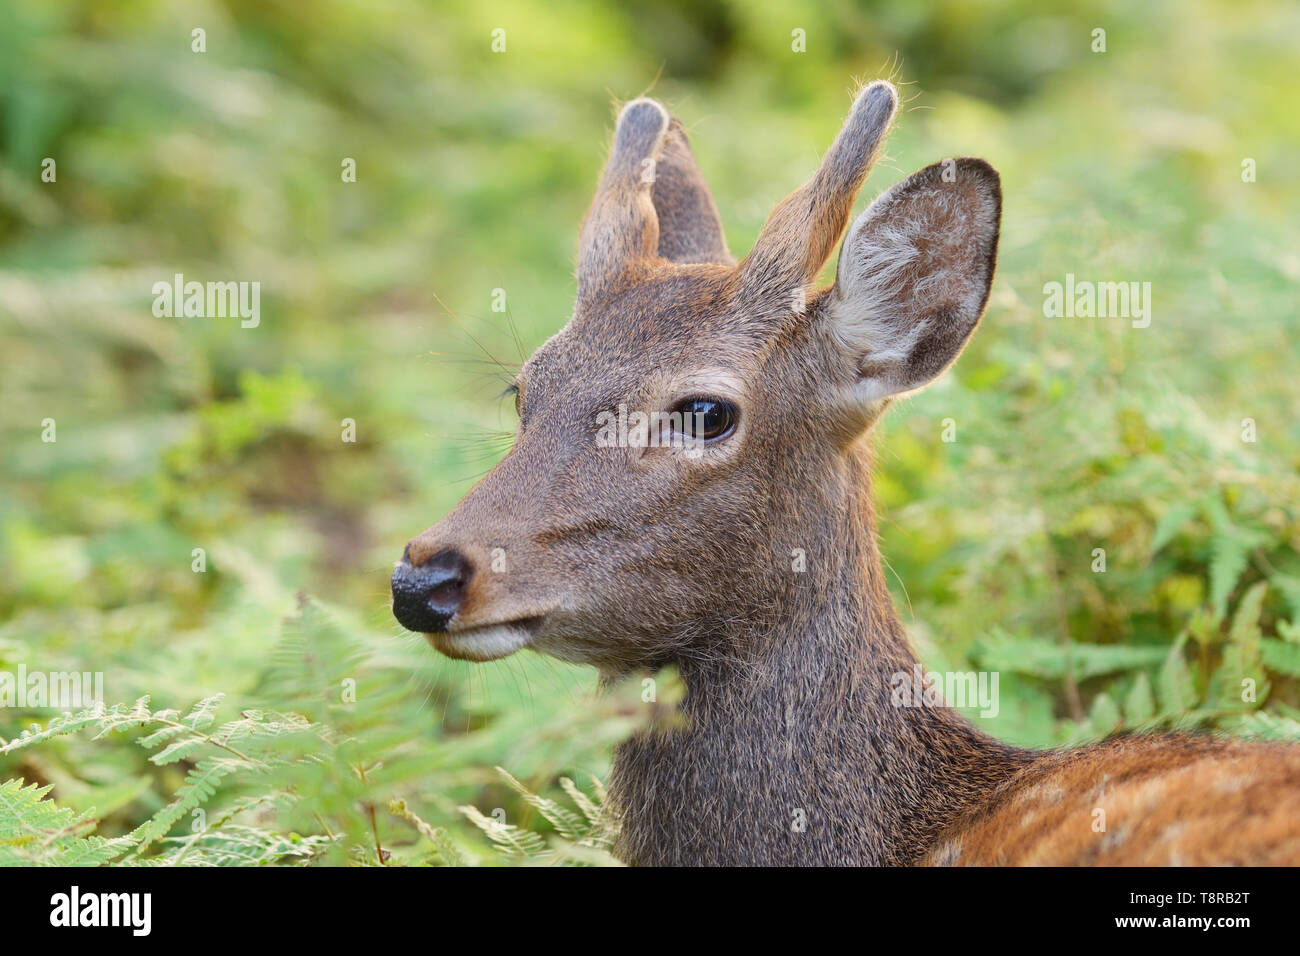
[[1139, 801]]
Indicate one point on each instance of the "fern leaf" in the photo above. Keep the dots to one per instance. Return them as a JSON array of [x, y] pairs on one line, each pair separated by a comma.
[[203, 713], [57, 727], [177, 750], [567, 823], [161, 735], [442, 844], [1280, 656], [37, 831], [1266, 726], [1139, 704], [92, 851], [238, 845], [585, 804], [507, 837], [1177, 688], [581, 854], [200, 785], [1171, 522]]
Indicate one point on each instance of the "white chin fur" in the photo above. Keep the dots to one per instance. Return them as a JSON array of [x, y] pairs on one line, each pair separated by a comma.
[[481, 644]]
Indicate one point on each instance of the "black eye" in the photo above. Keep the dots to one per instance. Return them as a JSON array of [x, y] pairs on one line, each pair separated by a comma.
[[705, 419]]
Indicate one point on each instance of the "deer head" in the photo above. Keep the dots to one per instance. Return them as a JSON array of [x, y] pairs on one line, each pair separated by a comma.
[[636, 553]]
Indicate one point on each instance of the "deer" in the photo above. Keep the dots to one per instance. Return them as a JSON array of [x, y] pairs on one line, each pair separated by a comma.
[[790, 747]]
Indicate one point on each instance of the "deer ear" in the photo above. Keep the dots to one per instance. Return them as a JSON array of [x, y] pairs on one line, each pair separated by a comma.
[[689, 227], [914, 276]]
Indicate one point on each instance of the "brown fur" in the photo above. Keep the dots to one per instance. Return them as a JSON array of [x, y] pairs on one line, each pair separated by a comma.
[[1171, 800], [792, 751]]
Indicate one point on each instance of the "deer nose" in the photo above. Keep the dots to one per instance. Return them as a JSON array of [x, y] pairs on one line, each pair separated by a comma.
[[425, 596]]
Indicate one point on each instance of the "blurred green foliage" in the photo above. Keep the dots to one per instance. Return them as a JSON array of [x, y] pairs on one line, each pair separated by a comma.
[[473, 172]]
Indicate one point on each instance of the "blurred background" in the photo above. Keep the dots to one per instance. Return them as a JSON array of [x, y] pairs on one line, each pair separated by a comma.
[[473, 171]]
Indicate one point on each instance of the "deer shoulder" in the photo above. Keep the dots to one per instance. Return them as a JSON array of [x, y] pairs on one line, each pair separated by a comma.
[[1168, 800]]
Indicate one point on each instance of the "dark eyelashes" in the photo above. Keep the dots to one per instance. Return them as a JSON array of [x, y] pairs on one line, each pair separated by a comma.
[[513, 389]]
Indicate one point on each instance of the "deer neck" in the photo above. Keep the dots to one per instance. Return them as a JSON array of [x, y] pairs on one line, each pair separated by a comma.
[[793, 749]]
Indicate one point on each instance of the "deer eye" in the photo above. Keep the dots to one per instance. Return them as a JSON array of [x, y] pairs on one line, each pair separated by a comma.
[[705, 419]]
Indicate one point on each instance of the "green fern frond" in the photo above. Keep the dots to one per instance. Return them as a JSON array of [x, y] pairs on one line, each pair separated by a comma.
[[589, 808], [203, 713], [581, 838], [101, 719], [565, 853], [446, 851], [35, 831], [1280, 656], [177, 750], [200, 785], [240, 845], [508, 838], [1265, 726], [567, 823]]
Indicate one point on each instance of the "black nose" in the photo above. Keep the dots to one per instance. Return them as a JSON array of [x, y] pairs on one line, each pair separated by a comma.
[[425, 596]]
